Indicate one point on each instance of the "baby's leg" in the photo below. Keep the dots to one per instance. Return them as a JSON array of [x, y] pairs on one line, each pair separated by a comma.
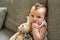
[[14, 36]]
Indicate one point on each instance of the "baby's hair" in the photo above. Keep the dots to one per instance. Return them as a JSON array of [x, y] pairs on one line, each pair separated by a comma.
[[39, 5]]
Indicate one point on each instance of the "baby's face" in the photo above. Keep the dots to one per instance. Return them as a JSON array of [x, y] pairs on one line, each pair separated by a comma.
[[37, 16]]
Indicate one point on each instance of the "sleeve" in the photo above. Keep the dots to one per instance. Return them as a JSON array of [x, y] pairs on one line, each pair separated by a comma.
[[43, 23]]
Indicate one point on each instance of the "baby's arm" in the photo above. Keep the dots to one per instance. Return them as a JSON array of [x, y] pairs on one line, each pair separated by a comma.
[[39, 32], [39, 35]]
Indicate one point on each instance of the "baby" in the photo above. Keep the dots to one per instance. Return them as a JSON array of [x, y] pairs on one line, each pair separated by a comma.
[[35, 27]]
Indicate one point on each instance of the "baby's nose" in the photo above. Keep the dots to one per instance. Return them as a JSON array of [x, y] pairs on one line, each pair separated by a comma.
[[35, 19]]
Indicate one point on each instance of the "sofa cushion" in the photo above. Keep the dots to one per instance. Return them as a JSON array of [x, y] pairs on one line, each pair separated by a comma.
[[11, 25], [5, 34]]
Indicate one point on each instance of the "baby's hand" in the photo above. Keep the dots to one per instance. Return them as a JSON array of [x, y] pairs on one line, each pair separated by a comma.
[[35, 26]]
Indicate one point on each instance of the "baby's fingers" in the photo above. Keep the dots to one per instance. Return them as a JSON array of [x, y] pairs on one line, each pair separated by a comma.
[[34, 26]]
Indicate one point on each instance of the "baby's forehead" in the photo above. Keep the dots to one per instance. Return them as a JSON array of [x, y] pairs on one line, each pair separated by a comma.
[[41, 10]]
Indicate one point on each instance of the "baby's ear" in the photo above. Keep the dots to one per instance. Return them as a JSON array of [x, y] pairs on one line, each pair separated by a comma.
[[27, 18]]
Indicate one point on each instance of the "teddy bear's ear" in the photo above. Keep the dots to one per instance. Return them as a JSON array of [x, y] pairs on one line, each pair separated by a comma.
[[27, 18]]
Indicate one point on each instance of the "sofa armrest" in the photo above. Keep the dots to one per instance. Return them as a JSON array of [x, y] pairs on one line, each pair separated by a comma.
[[2, 15]]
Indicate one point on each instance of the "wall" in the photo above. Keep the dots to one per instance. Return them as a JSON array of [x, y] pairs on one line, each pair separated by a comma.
[[53, 19]]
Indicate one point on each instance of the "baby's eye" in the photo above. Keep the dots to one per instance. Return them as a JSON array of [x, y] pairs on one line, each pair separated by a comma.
[[32, 15], [38, 17]]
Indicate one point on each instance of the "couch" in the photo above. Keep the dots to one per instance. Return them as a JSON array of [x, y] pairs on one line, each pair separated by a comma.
[[5, 31]]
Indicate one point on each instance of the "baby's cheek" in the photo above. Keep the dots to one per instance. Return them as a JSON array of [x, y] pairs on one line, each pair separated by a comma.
[[40, 21], [30, 20]]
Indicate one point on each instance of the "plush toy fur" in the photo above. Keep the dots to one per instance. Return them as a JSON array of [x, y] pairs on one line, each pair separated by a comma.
[[24, 34]]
